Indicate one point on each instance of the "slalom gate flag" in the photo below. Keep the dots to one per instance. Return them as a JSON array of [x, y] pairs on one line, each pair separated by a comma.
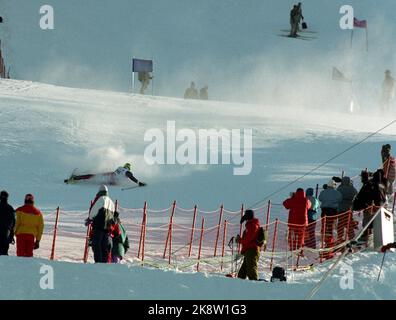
[[359, 23], [339, 76], [140, 65]]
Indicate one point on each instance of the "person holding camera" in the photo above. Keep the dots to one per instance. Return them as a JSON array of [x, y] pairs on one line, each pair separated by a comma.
[[250, 247]]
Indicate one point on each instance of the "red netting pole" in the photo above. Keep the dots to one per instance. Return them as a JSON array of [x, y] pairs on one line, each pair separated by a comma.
[[317, 190], [192, 231], [144, 232], [200, 242], [224, 240], [274, 242], [142, 228], [240, 230], [85, 257], [218, 230], [55, 233], [170, 232], [394, 201], [167, 240], [323, 237]]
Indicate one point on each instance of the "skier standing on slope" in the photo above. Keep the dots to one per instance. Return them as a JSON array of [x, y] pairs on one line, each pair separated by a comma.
[[125, 171], [7, 224], [203, 93], [389, 167], [101, 215], [294, 20], [29, 227], [250, 248], [388, 91], [144, 77], [298, 205], [191, 92]]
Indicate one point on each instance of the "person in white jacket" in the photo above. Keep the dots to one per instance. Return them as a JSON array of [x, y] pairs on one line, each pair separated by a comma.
[[125, 171], [101, 215]]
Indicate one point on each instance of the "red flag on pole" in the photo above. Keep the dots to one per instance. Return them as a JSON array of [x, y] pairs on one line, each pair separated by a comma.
[[359, 23]]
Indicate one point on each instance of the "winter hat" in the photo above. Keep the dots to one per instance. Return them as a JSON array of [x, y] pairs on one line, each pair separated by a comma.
[[29, 199], [103, 188], [310, 192], [4, 195], [249, 215], [331, 184]]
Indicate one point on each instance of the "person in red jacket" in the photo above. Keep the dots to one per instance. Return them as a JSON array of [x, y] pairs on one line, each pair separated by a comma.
[[298, 205], [250, 248]]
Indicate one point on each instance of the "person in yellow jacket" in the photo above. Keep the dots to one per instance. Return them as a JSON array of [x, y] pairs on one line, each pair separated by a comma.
[[28, 228]]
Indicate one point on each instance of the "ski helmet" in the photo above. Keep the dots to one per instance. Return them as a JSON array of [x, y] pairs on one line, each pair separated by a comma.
[[103, 188], [127, 166]]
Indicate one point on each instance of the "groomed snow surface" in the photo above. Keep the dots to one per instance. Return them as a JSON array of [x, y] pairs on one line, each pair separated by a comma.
[[47, 131]]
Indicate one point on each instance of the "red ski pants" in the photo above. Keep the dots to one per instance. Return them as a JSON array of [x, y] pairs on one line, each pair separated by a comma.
[[25, 244]]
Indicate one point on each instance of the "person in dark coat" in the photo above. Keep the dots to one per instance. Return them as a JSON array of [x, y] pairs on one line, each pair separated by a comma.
[[389, 167], [250, 248], [371, 195], [345, 220], [7, 224], [294, 20]]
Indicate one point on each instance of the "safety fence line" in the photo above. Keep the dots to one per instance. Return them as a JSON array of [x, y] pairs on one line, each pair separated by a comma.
[[284, 241]]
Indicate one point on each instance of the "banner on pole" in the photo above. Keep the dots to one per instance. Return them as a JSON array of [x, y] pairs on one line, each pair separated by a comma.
[[140, 65], [339, 76], [359, 23]]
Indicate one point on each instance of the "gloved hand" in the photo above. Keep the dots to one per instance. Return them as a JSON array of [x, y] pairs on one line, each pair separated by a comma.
[[141, 184], [12, 241], [87, 222], [238, 238], [36, 245]]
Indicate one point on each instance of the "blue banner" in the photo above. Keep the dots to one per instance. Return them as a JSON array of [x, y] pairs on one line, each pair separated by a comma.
[[140, 65]]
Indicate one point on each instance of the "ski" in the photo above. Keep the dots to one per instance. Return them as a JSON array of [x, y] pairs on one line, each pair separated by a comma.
[[131, 188], [301, 31], [298, 37]]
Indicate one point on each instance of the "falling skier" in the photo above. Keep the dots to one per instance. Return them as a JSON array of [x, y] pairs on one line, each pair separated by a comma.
[[112, 178]]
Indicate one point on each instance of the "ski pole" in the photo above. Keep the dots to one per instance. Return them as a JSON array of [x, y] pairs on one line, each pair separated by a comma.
[[383, 259], [129, 188]]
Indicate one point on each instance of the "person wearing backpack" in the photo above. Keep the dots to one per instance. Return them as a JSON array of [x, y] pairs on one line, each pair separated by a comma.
[[310, 240], [120, 240], [250, 248]]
